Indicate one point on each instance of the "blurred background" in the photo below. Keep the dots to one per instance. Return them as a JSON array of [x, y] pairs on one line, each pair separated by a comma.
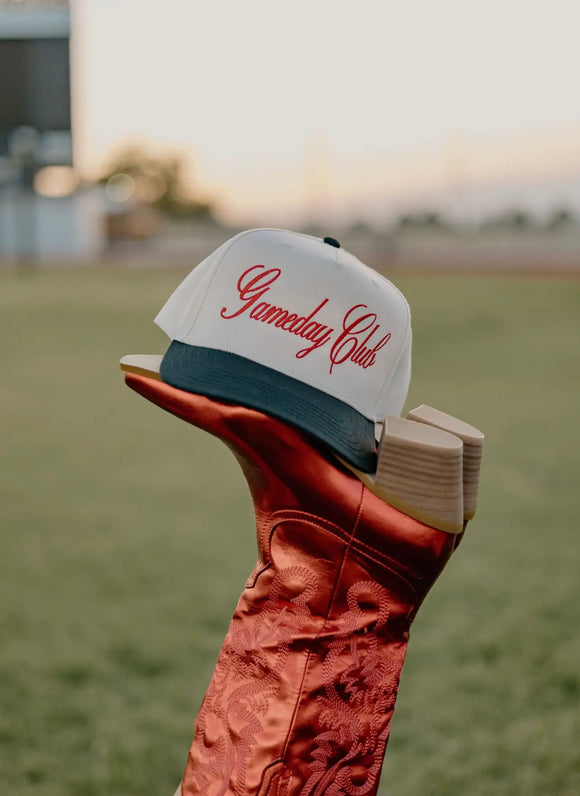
[[440, 143], [444, 135]]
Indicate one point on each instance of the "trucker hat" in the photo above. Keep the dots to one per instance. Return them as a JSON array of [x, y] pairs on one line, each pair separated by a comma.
[[298, 328]]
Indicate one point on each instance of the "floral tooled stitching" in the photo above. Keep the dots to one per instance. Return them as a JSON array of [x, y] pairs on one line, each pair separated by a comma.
[[246, 678], [259, 567], [358, 700], [377, 556]]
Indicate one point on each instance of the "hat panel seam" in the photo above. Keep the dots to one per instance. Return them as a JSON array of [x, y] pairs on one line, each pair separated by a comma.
[[387, 384], [216, 268]]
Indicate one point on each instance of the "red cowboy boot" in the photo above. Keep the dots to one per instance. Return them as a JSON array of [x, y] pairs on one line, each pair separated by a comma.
[[303, 692]]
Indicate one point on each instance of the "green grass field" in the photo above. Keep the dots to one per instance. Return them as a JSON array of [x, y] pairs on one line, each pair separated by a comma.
[[123, 555]]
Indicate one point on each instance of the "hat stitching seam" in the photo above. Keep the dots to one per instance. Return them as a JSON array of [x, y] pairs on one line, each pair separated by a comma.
[[388, 383], [216, 268]]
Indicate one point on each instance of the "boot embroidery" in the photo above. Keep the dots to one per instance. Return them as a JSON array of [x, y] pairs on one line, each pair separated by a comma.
[[247, 679], [359, 687], [308, 672]]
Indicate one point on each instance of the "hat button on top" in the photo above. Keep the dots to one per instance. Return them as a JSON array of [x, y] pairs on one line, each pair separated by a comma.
[[332, 242]]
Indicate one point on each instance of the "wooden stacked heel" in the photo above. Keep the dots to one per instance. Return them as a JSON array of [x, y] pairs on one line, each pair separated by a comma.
[[472, 440], [428, 467]]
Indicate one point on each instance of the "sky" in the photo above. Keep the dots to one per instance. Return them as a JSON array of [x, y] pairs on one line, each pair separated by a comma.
[[330, 108]]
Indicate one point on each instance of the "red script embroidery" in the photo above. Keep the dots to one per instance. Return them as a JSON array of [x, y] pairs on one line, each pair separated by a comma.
[[255, 282]]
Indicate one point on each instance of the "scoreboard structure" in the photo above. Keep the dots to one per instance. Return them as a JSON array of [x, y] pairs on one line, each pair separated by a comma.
[[35, 84]]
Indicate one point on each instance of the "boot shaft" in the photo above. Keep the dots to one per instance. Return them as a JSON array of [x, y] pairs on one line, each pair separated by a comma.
[[304, 689]]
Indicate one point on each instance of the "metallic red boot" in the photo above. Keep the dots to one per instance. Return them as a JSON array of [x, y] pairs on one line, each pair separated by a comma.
[[303, 692]]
